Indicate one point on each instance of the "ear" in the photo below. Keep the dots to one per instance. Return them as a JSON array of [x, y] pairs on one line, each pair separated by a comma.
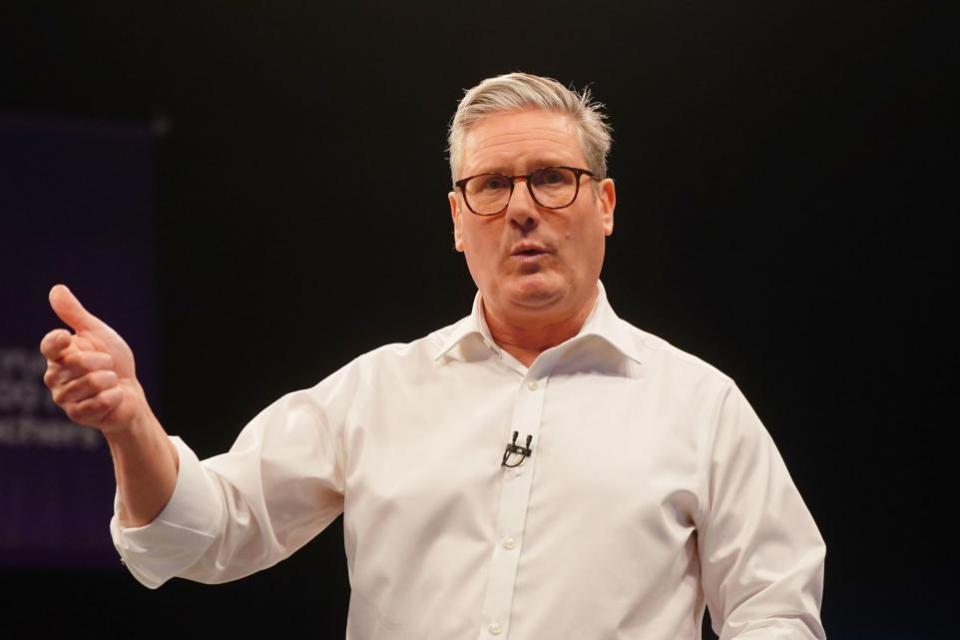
[[456, 213], [608, 202]]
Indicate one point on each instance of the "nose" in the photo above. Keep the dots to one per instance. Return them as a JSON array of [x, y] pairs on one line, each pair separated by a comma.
[[522, 210]]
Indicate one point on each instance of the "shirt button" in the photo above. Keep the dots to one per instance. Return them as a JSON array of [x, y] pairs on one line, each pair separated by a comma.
[[509, 542], [495, 628], [532, 385]]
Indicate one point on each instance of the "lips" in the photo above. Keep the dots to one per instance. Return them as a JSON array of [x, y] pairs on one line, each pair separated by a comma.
[[528, 249]]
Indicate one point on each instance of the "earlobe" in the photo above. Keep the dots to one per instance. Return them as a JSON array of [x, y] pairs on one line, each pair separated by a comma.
[[455, 216]]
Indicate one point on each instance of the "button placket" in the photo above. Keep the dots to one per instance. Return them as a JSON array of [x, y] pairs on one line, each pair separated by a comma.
[[511, 513]]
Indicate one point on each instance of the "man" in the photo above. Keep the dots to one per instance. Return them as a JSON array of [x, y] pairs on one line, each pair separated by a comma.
[[637, 485]]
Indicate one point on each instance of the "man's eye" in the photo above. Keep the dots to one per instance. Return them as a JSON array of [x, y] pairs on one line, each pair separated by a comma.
[[494, 183], [551, 178]]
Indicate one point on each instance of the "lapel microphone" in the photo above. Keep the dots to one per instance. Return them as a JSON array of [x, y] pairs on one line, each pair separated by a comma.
[[513, 447]]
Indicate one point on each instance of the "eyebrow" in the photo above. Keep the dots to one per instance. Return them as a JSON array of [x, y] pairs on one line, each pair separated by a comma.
[[502, 169]]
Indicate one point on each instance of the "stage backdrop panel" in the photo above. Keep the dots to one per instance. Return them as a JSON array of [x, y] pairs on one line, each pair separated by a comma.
[[76, 206]]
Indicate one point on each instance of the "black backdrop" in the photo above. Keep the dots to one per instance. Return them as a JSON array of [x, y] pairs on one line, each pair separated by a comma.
[[784, 177]]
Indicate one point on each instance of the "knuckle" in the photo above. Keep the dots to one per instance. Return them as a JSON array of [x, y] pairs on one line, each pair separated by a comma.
[[63, 377], [101, 405], [67, 390], [59, 396], [83, 358], [101, 380], [81, 361]]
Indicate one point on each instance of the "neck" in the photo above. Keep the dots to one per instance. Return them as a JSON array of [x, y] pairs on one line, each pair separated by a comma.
[[527, 337]]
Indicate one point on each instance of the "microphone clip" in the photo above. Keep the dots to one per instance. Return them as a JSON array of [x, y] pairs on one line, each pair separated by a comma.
[[513, 447]]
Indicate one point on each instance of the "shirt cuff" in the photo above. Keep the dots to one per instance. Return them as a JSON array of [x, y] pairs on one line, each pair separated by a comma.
[[181, 533]]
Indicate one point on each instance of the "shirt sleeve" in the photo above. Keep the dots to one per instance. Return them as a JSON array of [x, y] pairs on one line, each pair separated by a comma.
[[234, 514], [762, 556]]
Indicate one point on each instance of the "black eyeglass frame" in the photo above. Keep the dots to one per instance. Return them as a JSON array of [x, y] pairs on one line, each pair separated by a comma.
[[460, 184]]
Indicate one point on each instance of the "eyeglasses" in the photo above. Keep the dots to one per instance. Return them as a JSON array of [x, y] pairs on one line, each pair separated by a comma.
[[488, 194]]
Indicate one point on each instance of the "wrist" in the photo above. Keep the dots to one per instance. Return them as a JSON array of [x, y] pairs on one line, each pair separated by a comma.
[[136, 427]]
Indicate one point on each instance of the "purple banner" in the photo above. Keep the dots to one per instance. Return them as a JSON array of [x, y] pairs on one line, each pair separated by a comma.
[[76, 206]]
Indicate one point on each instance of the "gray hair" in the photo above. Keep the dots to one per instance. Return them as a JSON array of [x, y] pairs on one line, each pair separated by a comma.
[[518, 91]]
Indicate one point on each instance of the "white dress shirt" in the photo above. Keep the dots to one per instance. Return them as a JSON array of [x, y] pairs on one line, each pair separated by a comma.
[[652, 490]]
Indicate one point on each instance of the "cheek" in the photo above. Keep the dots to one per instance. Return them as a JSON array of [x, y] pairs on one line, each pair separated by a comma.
[[481, 247], [587, 242], [481, 242]]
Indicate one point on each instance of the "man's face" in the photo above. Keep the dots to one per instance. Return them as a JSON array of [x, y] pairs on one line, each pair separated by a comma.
[[532, 264]]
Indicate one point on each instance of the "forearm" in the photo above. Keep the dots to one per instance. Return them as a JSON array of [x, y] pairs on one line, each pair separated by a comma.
[[145, 463]]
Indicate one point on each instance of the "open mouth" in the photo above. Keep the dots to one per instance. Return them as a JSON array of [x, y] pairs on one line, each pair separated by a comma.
[[528, 250]]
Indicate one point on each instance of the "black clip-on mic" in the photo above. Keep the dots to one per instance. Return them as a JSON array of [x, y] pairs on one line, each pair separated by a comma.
[[513, 447]]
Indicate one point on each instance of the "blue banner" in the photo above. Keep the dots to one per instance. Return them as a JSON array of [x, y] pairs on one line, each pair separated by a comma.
[[76, 206]]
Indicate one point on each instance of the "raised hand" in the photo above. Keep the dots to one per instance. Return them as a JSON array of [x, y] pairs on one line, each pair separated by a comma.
[[91, 372]]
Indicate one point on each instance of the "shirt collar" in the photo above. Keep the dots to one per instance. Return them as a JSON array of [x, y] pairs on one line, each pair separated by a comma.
[[602, 323]]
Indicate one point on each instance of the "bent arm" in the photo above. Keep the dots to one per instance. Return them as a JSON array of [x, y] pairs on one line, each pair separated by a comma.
[[762, 556], [91, 374], [281, 483]]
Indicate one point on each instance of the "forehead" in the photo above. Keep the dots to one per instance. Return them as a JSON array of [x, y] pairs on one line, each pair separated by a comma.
[[520, 141]]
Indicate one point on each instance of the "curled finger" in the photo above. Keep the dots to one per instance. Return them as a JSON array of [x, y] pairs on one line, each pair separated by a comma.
[[92, 410], [79, 363], [54, 343], [86, 386], [54, 374]]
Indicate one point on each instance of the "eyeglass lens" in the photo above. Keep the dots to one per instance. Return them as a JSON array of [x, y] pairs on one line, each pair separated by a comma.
[[553, 187]]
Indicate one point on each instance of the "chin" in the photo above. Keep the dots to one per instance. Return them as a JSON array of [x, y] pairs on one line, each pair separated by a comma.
[[535, 290]]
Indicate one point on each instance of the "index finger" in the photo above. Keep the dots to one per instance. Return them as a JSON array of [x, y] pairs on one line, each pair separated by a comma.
[[55, 343]]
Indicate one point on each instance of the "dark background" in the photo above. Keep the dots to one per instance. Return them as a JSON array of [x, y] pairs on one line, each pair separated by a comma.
[[785, 173]]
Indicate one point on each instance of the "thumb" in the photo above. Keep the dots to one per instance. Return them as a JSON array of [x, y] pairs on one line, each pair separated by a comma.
[[69, 309]]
